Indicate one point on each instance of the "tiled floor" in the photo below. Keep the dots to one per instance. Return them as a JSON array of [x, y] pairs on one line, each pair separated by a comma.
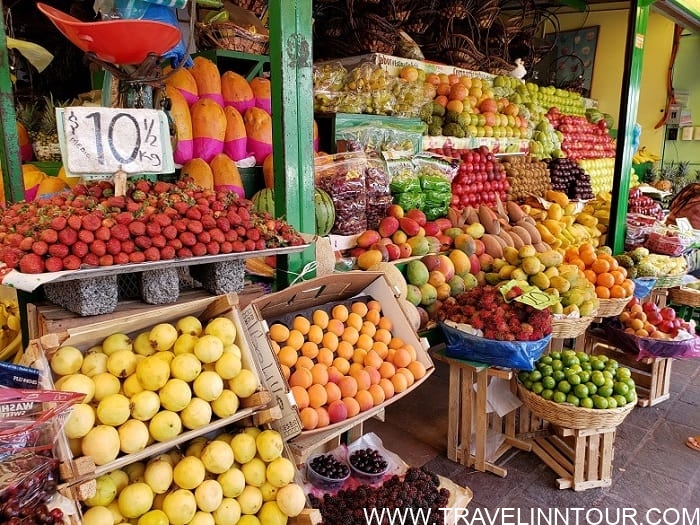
[[652, 467]]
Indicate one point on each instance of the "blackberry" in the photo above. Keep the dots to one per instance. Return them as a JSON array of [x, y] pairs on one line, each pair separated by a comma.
[[368, 460], [329, 466]]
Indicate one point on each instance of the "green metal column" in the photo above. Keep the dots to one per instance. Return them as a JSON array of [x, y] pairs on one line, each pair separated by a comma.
[[291, 64], [10, 159], [629, 100]]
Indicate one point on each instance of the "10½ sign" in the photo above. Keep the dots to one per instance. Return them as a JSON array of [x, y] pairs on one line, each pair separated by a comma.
[[101, 140]]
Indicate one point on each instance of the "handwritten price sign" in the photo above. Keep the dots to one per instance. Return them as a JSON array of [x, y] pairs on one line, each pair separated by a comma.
[[100, 140]]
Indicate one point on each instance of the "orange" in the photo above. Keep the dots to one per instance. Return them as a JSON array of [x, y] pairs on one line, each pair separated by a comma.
[[355, 321], [309, 349], [590, 275], [287, 356], [441, 99], [571, 252], [618, 276], [320, 319], [456, 106], [301, 396], [578, 262], [458, 92], [340, 312], [359, 308], [325, 356], [617, 292], [605, 279], [432, 78], [317, 395], [588, 257], [628, 285], [443, 89], [602, 292], [614, 265], [315, 334]]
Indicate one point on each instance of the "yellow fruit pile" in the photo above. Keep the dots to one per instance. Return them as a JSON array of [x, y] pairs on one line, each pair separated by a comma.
[[343, 361]]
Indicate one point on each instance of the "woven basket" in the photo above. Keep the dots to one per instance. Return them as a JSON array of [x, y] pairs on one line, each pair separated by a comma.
[[669, 281], [611, 307], [570, 328], [569, 416], [230, 36], [685, 296]]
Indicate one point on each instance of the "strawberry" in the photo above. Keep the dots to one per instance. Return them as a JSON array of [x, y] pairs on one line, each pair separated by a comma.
[[199, 249], [249, 245], [253, 234], [188, 239], [40, 248], [181, 207], [244, 213], [79, 189], [108, 222], [75, 222], [53, 264], [142, 185], [213, 248], [195, 227], [71, 262], [26, 244], [152, 254], [226, 247], [162, 219], [68, 236], [11, 257], [233, 218], [137, 228], [98, 247], [132, 207], [153, 228], [103, 233], [114, 246], [137, 197], [86, 236], [91, 221], [13, 239], [184, 253], [58, 223], [238, 246], [162, 187], [231, 235], [123, 217], [208, 222], [193, 214], [119, 232], [31, 263], [143, 242], [128, 246], [159, 241], [204, 237], [180, 224], [79, 249], [137, 257], [170, 232], [223, 224], [175, 243], [106, 260], [260, 244], [115, 201], [217, 235], [58, 250], [167, 252], [121, 258]]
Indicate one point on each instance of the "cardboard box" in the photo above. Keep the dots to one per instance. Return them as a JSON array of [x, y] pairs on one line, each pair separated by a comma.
[[39, 352], [321, 292]]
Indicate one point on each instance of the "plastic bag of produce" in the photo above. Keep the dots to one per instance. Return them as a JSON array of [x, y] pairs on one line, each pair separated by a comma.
[[403, 178], [509, 354], [377, 207], [649, 347], [27, 480], [435, 169], [376, 178], [329, 76], [343, 178], [409, 200], [435, 204]]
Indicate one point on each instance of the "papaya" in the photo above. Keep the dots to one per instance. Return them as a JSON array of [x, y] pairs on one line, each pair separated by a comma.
[[258, 127], [236, 91], [199, 171], [268, 172], [208, 129], [180, 113], [206, 75], [261, 90], [235, 139], [316, 139], [226, 175], [182, 80], [26, 152], [70, 181], [50, 185]]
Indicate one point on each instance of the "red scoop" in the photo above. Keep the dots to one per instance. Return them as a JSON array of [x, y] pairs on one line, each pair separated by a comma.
[[121, 41]]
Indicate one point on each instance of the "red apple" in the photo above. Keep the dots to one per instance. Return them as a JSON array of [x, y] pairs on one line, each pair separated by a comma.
[[668, 313]]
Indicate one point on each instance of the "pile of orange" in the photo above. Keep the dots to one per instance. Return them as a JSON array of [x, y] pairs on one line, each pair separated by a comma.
[[343, 361], [601, 269]]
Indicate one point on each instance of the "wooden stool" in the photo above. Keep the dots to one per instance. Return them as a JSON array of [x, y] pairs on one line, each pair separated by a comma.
[[463, 376]]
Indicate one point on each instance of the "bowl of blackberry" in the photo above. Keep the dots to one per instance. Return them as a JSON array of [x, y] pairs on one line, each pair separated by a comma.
[[368, 464], [327, 472]]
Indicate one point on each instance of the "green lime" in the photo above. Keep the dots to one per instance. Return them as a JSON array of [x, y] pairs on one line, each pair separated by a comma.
[[592, 388], [567, 354], [621, 400], [623, 373], [631, 396], [598, 378], [549, 382], [572, 399], [559, 397], [546, 360], [600, 402], [585, 376], [608, 374], [597, 364], [570, 361], [523, 376], [630, 383], [557, 364], [605, 391], [620, 388], [587, 402], [537, 387], [604, 358], [612, 363], [535, 375], [586, 366], [546, 370], [564, 386], [573, 378], [527, 384], [581, 391], [583, 357], [555, 355], [558, 375], [575, 368], [547, 393], [612, 403]]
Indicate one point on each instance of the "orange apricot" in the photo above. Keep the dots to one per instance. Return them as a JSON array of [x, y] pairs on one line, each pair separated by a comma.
[[301, 396]]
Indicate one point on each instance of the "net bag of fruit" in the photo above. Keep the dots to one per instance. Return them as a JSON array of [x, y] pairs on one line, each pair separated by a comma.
[[687, 348]]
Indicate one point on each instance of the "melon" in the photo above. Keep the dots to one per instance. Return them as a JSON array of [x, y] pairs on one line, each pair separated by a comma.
[[264, 201]]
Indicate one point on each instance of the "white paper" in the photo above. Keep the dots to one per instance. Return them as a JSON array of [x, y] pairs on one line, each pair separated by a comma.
[[499, 397]]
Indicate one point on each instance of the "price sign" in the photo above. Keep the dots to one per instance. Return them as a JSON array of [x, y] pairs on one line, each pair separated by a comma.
[[531, 295], [100, 140]]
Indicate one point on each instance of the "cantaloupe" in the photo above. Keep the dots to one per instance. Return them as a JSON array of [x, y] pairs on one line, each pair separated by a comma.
[[206, 75], [235, 139], [200, 172], [236, 91], [262, 91], [208, 128], [180, 113], [182, 80], [226, 174], [258, 127]]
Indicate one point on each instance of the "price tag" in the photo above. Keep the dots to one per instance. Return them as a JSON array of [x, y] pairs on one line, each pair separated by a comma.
[[101, 140], [684, 225], [531, 295]]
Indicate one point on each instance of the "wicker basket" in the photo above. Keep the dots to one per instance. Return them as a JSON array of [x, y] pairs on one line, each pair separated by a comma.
[[570, 328], [611, 307], [685, 296], [569, 416], [669, 281], [230, 36]]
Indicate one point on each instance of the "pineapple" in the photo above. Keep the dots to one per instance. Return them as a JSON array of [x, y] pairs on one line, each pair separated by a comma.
[[28, 116], [46, 147]]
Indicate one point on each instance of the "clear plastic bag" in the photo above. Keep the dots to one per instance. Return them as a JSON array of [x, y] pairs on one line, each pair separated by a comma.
[[329, 76], [343, 178], [27, 481]]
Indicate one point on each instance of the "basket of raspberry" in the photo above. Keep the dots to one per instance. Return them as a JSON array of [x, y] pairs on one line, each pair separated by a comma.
[[480, 325]]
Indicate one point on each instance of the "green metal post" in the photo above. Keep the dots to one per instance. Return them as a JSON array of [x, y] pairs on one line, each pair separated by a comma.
[[291, 64], [10, 159], [629, 100]]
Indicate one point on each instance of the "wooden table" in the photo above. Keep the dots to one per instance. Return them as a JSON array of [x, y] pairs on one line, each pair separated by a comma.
[[463, 376]]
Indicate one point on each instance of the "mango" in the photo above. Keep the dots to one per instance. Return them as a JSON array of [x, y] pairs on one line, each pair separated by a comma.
[[540, 280], [457, 285], [419, 245], [413, 294], [369, 259], [555, 212], [511, 255], [428, 294], [550, 258], [417, 273], [460, 260]]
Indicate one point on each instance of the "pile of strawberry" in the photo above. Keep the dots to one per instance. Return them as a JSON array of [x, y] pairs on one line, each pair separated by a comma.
[[154, 221]]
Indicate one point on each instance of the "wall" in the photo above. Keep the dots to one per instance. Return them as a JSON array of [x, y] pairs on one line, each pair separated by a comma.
[[609, 63]]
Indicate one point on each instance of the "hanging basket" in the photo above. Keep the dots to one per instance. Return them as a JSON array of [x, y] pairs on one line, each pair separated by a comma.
[[685, 296], [611, 307], [232, 37]]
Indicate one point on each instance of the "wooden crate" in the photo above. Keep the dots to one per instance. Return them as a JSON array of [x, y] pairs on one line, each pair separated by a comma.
[[652, 375], [581, 457]]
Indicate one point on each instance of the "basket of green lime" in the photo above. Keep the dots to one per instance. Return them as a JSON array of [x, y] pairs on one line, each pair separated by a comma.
[[577, 390]]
